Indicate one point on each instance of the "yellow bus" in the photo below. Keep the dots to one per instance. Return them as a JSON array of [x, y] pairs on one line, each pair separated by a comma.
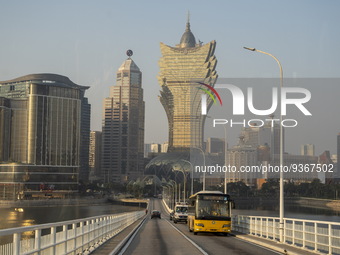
[[210, 211]]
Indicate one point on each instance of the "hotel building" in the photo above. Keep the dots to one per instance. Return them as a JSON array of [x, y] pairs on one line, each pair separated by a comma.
[[181, 68], [40, 138]]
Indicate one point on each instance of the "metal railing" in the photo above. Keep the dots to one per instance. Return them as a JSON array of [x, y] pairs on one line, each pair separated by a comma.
[[80, 236], [318, 236]]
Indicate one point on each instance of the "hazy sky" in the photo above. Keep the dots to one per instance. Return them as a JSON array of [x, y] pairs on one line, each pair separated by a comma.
[[87, 41]]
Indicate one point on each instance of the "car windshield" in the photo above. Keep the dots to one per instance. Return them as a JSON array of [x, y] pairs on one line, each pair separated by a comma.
[[182, 209], [155, 212]]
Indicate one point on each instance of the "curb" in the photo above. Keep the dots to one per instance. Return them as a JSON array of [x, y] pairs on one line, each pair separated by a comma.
[[121, 245], [274, 247]]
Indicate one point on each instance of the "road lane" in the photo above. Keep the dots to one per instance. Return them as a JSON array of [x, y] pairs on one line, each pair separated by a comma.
[[218, 244], [156, 236]]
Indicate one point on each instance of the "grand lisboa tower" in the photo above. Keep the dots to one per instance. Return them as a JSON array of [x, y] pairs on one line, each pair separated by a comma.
[[182, 69]]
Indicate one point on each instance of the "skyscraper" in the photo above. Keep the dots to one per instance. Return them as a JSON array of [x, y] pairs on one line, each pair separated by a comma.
[[267, 134], [307, 149], [181, 68], [40, 120], [239, 156], [84, 169], [123, 126], [215, 145]]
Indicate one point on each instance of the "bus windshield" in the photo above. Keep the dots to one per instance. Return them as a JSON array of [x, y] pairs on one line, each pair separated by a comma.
[[210, 208]]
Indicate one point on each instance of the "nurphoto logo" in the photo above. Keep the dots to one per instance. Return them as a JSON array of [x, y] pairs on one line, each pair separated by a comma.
[[299, 98]]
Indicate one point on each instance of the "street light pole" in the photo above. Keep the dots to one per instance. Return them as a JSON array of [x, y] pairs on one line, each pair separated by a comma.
[[192, 175], [175, 191], [281, 146], [203, 165], [179, 192], [184, 181], [171, 194], [225, 159]]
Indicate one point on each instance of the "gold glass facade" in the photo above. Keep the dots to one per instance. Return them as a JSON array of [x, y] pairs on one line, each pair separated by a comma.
[[181, 67]]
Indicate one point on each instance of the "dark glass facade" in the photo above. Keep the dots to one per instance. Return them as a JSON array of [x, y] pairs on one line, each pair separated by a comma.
[[84, 170], [42, 113]]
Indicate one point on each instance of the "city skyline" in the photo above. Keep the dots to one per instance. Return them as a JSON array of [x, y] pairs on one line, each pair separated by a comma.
[[89, 51]]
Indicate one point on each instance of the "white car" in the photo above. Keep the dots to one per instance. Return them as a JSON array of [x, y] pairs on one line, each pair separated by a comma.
[[180, 213]]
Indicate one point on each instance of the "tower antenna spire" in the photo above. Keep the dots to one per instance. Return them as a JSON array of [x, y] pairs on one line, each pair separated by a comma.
[[188, 22]]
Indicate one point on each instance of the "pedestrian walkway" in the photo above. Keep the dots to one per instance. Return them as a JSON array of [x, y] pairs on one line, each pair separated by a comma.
[[111, 244], [284, 248]]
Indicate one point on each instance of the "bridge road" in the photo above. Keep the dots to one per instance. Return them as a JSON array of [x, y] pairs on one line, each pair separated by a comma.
[[160, 237], [157, 236]]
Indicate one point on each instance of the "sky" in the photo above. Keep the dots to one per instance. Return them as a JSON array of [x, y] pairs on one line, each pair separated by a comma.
[[87, 40]]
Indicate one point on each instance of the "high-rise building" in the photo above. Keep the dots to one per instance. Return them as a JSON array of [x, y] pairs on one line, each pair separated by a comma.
[[95, 149], [147, 149], [307, 149], [123, 126], [164, 147], [215, 145], [267, 134], [155, 148], [40, 138], [181, 68], [84, 170], [5, 128], [326, 159], [242, 155]]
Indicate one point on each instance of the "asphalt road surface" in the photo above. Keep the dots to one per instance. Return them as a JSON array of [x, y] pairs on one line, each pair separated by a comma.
[[161, 236]]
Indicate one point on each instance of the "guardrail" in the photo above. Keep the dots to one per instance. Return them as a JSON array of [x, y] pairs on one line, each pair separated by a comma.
[[318, 236], [80, 236]]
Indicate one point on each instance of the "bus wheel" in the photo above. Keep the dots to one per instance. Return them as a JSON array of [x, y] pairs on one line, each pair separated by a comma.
[[195, 233]]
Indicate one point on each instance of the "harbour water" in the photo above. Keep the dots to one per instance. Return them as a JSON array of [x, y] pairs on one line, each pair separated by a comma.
[[27, 216]]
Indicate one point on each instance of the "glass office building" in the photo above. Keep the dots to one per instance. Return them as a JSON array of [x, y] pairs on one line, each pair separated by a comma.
[[181, 68], [40, 141], [123, 126]]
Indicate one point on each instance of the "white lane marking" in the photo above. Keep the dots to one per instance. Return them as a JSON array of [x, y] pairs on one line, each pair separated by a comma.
[[192, 242], [201, 250], [260, 246]]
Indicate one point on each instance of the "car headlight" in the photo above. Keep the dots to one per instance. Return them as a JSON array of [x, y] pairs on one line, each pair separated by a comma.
[[199, 224], [226, 226]]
